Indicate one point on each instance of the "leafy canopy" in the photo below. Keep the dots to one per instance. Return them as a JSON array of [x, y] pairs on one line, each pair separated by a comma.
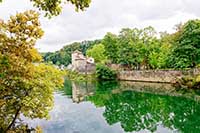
[[186, 52], [54, 7], [111, 48], [26, 85], [98, 53]]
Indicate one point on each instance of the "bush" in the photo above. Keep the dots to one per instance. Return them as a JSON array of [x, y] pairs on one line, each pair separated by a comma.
[[190, 82], [197, 82], [105, 73]]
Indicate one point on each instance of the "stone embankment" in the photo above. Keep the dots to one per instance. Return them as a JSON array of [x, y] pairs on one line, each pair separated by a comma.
[[159, 76]]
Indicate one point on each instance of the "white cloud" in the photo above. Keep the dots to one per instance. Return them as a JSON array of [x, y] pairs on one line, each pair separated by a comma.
[[106, 16]]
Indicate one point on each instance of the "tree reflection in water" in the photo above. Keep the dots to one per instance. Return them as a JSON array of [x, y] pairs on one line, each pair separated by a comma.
[[137, 106], [138, 111]]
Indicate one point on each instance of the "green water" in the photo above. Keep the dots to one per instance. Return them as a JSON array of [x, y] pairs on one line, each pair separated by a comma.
[[113, 107]]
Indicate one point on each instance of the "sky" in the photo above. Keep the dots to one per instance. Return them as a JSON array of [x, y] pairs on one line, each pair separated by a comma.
[[105, 16]]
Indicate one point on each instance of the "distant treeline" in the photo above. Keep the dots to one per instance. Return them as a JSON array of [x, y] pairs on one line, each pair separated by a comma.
[[140, 48], [63, 56]]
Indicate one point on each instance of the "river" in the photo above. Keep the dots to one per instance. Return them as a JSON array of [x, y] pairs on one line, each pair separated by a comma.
[[118, 107]]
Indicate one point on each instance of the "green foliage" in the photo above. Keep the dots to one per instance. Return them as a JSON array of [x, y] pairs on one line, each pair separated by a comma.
[[63, 56], [98, 53], [103, 92], [186, 53], [111, 47], [136, 46], [159, 54], [197, 82], [191, 82], [54, 7], [68, 87], [105, 73], [141, 48], [26, 85], [127, 47], [139, 111]]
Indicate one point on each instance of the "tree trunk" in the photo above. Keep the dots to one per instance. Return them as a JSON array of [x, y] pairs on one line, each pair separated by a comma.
[[13, 121]]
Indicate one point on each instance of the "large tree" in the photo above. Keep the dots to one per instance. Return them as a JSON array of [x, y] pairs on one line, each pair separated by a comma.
[[26, 85], [186, 52], [111, 49], [127, 47], [135, 46]]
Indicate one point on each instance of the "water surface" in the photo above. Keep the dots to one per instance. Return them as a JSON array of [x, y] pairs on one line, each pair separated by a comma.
[[113, 107]]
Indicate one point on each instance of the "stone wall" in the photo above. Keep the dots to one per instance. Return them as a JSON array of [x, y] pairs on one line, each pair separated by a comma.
[[83, 67], [162, 76]]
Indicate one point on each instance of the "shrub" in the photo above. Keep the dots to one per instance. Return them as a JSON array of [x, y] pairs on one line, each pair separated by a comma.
[[105, 73], [197, 82], [190, 82]]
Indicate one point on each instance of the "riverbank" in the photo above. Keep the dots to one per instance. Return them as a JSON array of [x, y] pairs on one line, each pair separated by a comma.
[[154, 76], [157, 76]]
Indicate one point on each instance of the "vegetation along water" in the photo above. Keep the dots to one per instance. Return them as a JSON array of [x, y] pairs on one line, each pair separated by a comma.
[[79, 88]]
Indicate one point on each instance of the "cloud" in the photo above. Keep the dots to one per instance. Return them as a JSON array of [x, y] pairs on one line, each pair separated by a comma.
[[106, 16]]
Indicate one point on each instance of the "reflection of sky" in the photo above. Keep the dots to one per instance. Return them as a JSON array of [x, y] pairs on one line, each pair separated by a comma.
[[69, 117]]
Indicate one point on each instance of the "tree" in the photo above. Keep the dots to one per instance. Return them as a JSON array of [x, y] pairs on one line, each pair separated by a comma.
[[158, 57], [54, 7], [148, 43], [186, 52], [63, 56], [135, 46], [98, 53], [127, 47], [111, 48], [24, 80]]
